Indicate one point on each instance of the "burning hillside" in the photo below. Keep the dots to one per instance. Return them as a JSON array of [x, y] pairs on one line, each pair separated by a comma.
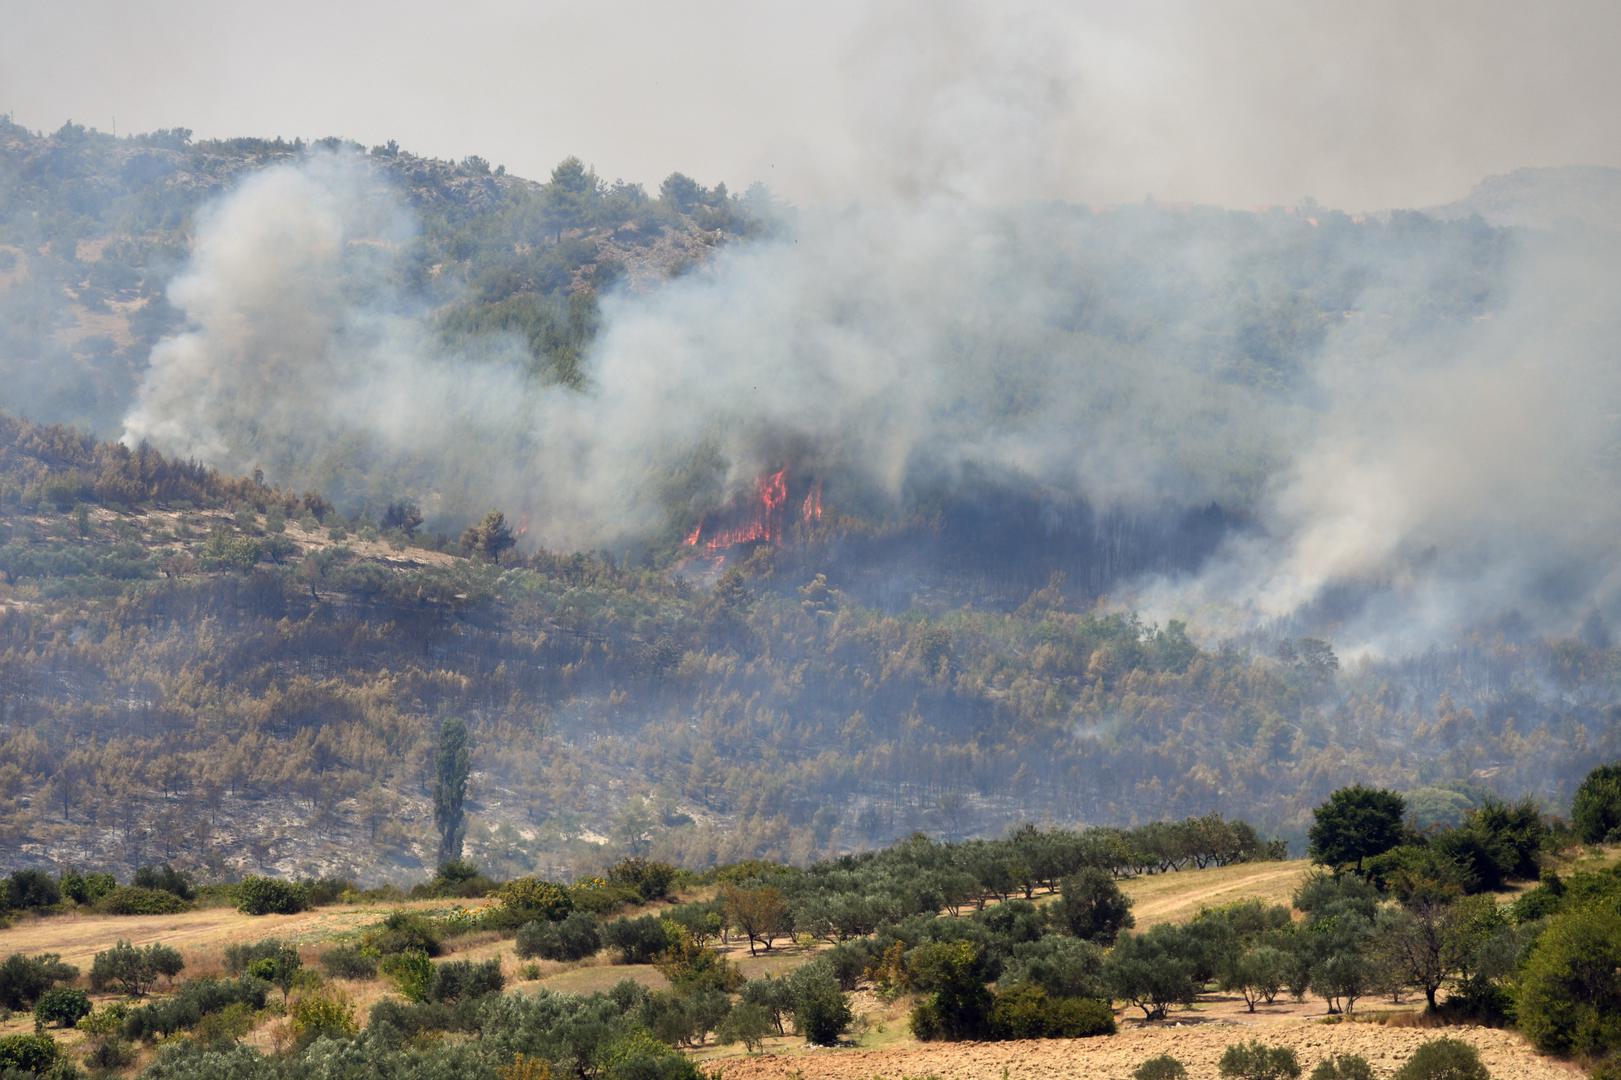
[[762, 519]]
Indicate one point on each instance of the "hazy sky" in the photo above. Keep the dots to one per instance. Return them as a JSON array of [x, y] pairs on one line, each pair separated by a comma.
[[1360, 105]]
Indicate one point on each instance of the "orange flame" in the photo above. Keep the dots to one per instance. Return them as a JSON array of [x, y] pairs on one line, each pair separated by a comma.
[[766, 523], [811, 509]]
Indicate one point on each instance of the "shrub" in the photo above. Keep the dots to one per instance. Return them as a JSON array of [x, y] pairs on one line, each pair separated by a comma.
[[1444, 1059], [24, 978], [276, 964], [87, 888], [1343, 1067], [225, 1027], [822, 1012], [191, 1004], [1164, 1067], [27, 889], [575, 938], [531, 899], [348, 962], [1028, 1012], [747, 1023], [403, 931], [1256, 1061], [134, 970], [270, 896], [325, 1012], [638, 941], [464, 980], [134, 900], [650, 880], [27, 1053], [63, 1006], [1569, 999], [412, 973], [1596, 809], [110, 1054], [166, 878]]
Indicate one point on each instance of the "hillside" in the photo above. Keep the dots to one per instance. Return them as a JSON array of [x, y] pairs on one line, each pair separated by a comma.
[[209, 671]]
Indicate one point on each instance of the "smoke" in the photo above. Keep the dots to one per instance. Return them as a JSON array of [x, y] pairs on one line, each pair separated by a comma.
[[1421, 416], [306, 356]]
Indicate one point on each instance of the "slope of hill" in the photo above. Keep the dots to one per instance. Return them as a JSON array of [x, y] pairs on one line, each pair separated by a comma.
[[210, 671]]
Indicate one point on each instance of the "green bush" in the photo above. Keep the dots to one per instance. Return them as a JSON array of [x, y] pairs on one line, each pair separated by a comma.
[[28, 1053], [191, 1004], [574, 938], [650, 880], [403, 931], [638, 941], [270, 896], [1163, 1067], [133, 970], [28, 889], [1343, 1067], [135, 900], [822, 1012], [529, 899], [412, 973], [1028, 1012], [464, 980], [166, 878], [348, 962], [1256, 1061], [1444, 1059], [63, 1006], [1569, 999], [1596, 809], [325, 1012], [87, 889]]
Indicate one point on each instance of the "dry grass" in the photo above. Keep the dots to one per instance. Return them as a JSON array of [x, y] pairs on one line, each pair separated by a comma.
[[1179, 896], [201, 936]]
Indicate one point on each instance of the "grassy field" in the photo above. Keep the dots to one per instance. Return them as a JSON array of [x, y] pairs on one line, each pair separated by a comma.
[[1178, 897]]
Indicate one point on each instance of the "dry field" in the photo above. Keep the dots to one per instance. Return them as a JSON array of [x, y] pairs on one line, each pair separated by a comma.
[[201, 936], [1179, 896], [1197, 1045]]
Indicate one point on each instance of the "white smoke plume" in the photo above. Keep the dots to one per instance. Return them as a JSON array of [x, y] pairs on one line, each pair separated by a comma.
[[1452, 463]]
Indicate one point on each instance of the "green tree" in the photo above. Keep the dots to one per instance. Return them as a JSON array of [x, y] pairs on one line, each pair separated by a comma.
[[1093, 907], [133, 970], [1596, 810], [1356, 823], [490, 538], [1569, 999], [1259, 975], [1153, 970], [452, 764]]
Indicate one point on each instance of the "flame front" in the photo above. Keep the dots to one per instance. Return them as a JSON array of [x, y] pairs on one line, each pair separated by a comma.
[[765, 524]]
